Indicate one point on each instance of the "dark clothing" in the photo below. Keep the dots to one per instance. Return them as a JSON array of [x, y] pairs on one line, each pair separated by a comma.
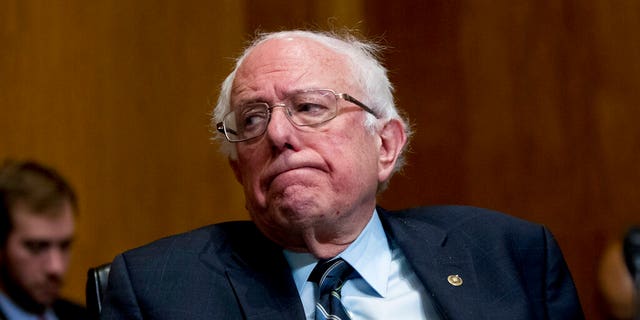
[[512, 269], [67, 310], [64, 310]]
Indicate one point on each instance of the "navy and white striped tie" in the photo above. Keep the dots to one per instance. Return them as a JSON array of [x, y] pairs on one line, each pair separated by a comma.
[[330, 276]]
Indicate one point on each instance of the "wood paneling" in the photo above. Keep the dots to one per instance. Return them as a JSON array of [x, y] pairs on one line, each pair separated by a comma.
[[117, 95], [277, 15], [526, 107]]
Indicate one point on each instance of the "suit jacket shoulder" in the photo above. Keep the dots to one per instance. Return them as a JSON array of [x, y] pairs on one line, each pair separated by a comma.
[[223, 271], [510, 268], [483, 226]]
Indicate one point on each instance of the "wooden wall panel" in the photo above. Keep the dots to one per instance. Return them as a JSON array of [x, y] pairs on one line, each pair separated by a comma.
[[277, 15], [527, 107], [117, 95]]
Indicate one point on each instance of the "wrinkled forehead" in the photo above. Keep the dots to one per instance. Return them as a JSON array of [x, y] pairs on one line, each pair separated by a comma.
[[293, 63]]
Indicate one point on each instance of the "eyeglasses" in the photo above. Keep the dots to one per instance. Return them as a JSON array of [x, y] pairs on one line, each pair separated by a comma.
[[303, 108]]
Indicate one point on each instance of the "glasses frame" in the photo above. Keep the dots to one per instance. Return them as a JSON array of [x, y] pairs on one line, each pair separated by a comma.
[[220, 127]]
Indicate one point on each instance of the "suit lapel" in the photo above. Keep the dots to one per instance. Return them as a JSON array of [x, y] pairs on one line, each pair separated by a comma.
[[262, 283], [259, 275], [263, 297], [438, 263]]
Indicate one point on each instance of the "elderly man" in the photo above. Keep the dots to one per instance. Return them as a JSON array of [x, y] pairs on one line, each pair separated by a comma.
[[312, 135], [37, 213]]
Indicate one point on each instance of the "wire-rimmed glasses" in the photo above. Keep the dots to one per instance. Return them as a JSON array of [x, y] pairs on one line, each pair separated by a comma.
[[302, 108]]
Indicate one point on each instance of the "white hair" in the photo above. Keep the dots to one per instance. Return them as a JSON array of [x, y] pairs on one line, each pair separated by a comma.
[[367, 71]]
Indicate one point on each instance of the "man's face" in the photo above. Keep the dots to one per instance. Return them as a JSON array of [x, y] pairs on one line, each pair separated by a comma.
[[36, 256], [305, 179]]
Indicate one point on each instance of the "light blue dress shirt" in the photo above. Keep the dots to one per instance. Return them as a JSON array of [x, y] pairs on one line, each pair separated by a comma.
[[387, 288], [13, 312]]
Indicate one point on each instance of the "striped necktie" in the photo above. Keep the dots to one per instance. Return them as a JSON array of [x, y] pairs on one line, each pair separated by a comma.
[[330, 276]]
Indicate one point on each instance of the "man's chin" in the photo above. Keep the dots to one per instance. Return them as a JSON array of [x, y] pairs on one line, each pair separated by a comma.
[[285, 219], [46, 301], [35, 300]]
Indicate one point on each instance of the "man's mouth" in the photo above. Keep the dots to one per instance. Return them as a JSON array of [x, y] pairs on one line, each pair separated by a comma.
[[279, 170]]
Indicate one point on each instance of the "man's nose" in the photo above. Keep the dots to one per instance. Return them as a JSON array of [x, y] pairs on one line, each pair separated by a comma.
[[280, 126], [56, 261]]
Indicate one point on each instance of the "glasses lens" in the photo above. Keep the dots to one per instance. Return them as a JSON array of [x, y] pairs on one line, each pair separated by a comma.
[[304, 108], [313, 107], [247, 122]]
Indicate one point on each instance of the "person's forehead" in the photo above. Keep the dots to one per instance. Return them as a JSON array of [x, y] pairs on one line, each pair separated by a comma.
[[295, 55], [55, 220], [293, 47]]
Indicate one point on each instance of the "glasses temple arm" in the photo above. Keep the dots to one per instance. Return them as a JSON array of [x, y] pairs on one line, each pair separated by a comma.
[[358, 103]]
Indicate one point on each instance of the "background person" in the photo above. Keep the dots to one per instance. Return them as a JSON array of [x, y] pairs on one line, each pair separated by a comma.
[[37, 213], [313, 136], [618, 276]]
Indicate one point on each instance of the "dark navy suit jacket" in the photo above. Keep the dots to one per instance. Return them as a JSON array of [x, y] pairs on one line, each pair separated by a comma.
[[510, 268]]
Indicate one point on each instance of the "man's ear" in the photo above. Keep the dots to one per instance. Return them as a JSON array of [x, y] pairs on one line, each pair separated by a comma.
[[236, 170], [393, 137]]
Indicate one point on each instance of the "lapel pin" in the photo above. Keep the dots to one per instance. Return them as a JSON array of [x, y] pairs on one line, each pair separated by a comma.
[[454, 280]]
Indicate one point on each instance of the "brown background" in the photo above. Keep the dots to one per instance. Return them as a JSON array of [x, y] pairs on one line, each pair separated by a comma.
[[528, 107]]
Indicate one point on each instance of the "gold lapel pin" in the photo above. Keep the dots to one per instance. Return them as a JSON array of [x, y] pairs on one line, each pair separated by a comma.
[[454, 280]]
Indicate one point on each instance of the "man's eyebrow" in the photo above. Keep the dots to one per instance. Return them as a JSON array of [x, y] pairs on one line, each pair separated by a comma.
[[48, 241], [245, 101], [36, 240], [263, 98]]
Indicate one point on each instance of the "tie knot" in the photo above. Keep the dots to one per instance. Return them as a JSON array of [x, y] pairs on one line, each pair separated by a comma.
[[330, 275]]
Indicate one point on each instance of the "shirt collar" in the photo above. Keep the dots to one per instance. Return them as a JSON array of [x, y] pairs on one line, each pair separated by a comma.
[[13, 311], [369, 255]]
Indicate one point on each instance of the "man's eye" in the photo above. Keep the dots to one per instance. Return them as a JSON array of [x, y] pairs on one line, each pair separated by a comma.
[[65, 245], [311, 108], [36, 247], [252, 119]]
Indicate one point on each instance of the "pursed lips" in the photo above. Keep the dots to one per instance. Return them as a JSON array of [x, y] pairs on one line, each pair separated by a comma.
[[282, 167]]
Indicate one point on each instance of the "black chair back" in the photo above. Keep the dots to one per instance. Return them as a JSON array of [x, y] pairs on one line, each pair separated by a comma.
[[97, 280]]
